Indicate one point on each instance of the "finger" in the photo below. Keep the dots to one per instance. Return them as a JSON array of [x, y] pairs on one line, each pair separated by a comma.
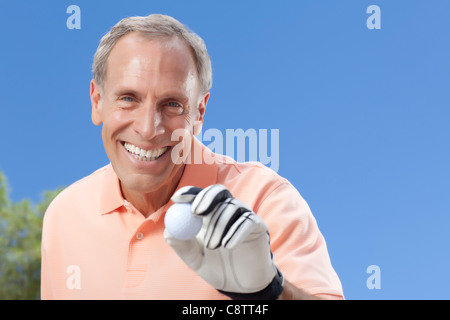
[[220, 222], [207, 199], [190, 251], [186, 194], [248, 225]]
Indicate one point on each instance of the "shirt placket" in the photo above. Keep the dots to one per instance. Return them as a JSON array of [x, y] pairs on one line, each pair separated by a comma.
[[138, 252]]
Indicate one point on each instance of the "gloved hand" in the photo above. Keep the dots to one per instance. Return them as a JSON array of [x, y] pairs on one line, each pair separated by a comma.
[[232, 250]]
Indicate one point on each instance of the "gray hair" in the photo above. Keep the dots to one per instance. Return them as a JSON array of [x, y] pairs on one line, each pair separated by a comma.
[[154, 25]]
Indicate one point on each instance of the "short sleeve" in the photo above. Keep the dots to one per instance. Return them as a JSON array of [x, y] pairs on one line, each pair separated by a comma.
[[298, 246]]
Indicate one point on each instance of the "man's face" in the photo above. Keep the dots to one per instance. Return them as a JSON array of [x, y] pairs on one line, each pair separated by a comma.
[[150, 90]]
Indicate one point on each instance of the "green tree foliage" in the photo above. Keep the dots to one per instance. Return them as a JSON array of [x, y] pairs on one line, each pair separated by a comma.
[[20, 244]]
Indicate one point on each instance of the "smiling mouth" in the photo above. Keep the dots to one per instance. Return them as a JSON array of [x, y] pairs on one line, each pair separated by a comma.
[[142, 154]]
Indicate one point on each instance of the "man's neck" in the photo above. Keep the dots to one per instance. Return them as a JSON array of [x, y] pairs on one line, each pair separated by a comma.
[[148, 203]]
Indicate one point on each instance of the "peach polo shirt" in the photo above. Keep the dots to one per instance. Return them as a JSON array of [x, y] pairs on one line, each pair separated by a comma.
[[96, 245]]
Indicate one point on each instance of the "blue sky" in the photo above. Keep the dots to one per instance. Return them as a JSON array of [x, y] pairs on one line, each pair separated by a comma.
[[363, 115]]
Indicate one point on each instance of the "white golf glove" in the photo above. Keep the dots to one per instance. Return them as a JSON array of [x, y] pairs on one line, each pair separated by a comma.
[[232, 250]]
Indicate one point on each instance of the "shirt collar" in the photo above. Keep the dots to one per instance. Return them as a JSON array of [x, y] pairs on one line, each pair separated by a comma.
[[201, 168], [111, 193], [199, 171]]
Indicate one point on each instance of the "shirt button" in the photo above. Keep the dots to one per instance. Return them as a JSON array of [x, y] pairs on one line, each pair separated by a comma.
[[139, 235]]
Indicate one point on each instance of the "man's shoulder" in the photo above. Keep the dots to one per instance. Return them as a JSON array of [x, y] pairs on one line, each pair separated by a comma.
[[80, 192], [252, 182], [88, 183], [250, 172]]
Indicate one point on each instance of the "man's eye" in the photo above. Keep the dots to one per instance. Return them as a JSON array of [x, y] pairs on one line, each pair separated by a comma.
[[127, 99], [173, 104]]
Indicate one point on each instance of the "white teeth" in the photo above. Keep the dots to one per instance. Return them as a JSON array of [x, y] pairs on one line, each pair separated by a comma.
[[142, 154]]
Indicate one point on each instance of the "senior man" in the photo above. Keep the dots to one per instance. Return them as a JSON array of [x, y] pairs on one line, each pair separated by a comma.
[[104, 236]]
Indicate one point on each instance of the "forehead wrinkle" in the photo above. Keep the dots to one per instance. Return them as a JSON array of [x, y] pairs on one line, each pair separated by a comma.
[[153, 64]]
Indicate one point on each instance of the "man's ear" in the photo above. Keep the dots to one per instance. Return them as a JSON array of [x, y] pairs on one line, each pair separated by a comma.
[[198, 123], [96, 102]]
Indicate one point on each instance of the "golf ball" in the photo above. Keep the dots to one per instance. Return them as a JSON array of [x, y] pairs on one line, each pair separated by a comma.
[[181, 223]]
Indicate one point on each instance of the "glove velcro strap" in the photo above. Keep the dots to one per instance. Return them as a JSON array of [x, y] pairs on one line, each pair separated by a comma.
[[271, 292]]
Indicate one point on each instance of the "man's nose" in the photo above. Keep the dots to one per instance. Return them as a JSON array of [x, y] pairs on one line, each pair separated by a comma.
[[148, 123]]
